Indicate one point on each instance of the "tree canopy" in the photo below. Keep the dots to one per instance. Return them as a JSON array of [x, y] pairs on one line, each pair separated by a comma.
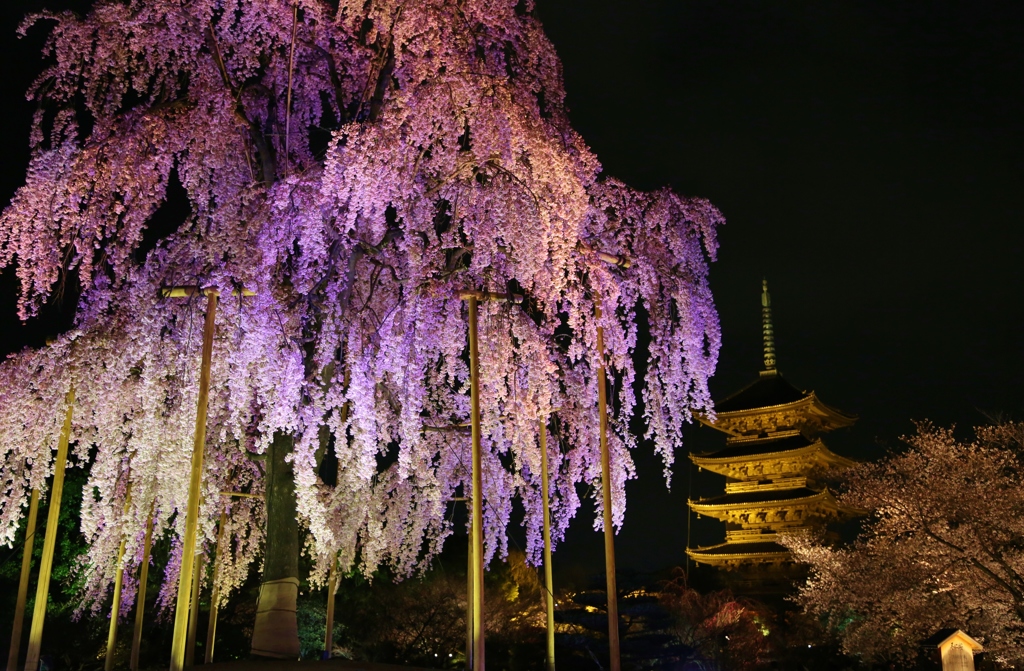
[[355, 165], [944, 547]]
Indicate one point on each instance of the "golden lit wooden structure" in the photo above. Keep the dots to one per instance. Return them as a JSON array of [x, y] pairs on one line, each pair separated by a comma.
[[472, 299], [193, 614], [470, 563], [181, 610], [35, 636], [140, 597], [332, 587], [115, 607], [182, 604], [211, 624], [26, 568], [612, 592], [549, 594], [772, 454], [611, 588], [955, 649]]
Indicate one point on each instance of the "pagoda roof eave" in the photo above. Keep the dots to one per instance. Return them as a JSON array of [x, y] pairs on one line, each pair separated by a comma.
[[769, 388], [818, 446], [810, 404], [710, 550], [810, 399], [706, 556], [822, 496]]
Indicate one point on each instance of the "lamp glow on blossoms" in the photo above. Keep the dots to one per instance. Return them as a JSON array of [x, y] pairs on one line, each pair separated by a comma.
[[942, 548], [449, 165]]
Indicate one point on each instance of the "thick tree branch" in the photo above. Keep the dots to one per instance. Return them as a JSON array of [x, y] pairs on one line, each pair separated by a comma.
[[218, 59], [339, 93], [268, 161], [358, 251], [1018, 596]]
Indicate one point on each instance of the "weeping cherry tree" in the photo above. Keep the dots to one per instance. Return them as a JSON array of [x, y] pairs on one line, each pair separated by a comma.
[[354, 166]]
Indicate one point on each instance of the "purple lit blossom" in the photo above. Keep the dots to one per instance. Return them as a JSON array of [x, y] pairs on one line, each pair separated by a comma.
[[454, 169]]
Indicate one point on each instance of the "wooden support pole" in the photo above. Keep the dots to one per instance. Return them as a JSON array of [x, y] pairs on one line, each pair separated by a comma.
[[475, 600], [332, 582], [469, 596], [115, 607], [189, 291], [549, 594], [606, 491], [35, 637], [478, 495], [140, 596], [193, 615], [288, 97], [484, 296], [610, 259], [181, 611], [26, 569], [211, 626]]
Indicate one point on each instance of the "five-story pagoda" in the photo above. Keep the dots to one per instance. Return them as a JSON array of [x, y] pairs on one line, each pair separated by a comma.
[[772, 461]]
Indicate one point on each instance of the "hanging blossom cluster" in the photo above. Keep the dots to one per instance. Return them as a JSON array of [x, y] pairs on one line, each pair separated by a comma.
[[356, 165], [942, 549]]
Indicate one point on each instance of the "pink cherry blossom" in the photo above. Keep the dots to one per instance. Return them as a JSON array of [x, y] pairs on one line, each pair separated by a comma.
[[447, 163], [942, 548]]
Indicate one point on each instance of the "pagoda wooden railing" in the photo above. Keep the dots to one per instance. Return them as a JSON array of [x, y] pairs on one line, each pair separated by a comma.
[[780, 483], [759, 536]]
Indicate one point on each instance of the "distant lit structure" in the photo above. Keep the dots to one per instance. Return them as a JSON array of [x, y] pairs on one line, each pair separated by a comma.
[[772, 460]]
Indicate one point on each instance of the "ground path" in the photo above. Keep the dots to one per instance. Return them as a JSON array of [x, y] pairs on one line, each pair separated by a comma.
[[311, 665]]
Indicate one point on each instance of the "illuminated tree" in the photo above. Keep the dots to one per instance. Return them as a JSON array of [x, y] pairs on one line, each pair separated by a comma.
[[421, 620], [943, 548], [720, 630], [356, 165]]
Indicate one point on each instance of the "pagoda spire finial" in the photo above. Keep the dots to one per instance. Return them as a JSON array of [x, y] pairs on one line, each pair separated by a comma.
[[767, 331]]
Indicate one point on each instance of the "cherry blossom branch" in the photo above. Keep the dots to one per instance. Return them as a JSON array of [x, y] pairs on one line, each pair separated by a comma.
[[1018, 595], [264, 149]]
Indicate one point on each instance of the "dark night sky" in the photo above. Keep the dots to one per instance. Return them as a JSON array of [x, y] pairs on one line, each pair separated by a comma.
[[869, 158]]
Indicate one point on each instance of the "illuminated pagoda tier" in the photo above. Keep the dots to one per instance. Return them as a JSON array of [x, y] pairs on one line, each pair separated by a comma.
[[772, 461]]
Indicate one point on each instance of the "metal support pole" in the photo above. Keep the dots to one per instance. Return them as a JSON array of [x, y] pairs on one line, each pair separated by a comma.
[[606, 490], [193, 615], [115, 607], [140, 596], [26, 569], [549, 595], [332, 581], [478, 496], [35, 637], [181, 611], [211, 626]]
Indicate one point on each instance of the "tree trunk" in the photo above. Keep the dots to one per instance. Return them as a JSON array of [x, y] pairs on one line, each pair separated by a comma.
[[276, 632]]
